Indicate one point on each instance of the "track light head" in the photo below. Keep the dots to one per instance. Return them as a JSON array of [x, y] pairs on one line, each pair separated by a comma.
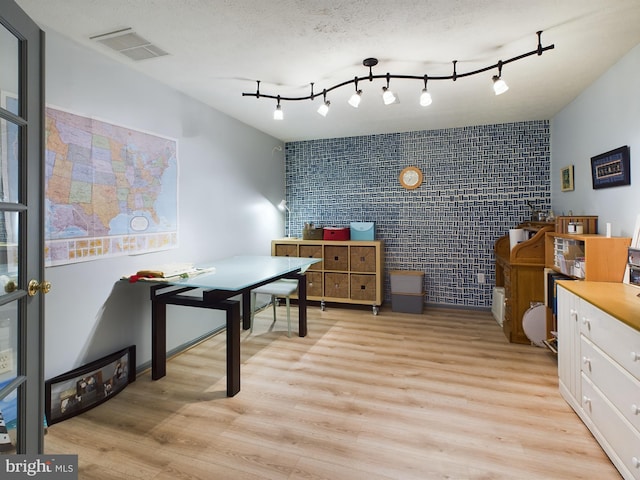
[[355, 99], [425, 98], [499, 85], [323, 109], [388, 97], [277, 113]]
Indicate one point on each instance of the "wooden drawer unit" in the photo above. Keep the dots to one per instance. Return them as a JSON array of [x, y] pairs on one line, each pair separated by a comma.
[[312, 251], [351, 271], [336, 257], [314, 284], [363, 259], [336, 285], [363, 287], [286, 251]]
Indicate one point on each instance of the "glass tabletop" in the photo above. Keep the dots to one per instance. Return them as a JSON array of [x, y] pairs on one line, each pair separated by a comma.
[[241, 272]]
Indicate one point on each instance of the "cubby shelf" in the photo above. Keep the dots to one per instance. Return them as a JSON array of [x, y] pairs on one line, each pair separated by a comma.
[[351, 271]]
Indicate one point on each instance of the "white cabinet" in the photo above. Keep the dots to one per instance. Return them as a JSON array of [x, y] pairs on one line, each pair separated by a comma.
[[599, 373]]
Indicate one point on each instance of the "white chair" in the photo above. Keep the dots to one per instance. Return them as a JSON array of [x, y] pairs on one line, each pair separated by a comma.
[[278, 289]]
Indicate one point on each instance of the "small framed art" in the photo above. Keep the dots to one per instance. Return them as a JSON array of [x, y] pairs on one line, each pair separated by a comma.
[[566, 179], [611, 169]]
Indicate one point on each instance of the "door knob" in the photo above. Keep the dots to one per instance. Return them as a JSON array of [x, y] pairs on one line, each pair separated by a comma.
[[35, 286]]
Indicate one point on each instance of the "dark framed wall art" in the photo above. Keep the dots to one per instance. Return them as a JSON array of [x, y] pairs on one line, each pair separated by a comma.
[[611, 169], [86, 387]]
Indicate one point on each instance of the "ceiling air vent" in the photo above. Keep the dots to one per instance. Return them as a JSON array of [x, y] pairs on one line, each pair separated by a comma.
[[129, 43]]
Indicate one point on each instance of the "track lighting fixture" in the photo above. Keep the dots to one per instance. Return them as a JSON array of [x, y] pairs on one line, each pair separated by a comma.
[[499, 85]]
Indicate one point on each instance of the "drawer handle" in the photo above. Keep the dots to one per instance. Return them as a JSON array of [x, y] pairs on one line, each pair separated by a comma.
[[635, 409], [635, 357], [586, 322], [574, 314], [587, 361], [636, 462], [586, 400]]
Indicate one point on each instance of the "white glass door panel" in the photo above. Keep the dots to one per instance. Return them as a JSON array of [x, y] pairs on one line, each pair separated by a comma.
[[21, 230]]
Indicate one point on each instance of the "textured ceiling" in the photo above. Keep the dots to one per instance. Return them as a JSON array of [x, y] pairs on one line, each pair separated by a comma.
[[219, 48]]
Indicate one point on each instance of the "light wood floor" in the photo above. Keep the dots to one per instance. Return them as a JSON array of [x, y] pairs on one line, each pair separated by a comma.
[[393, 396]]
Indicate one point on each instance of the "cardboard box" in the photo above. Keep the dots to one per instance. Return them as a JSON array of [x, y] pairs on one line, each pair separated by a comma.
[[336, 233], [315, 233], [363, 231]]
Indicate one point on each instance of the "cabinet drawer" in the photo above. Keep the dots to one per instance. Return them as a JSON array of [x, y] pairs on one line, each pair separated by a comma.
[[622, 441], [336, 258], [363, 287], [336, 285], [286, 251], [622, 390], [314, 284], [312, 251], [363, 259], [621, 342]]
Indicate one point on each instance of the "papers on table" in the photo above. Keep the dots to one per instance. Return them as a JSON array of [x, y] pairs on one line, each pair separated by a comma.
[[169, 272]]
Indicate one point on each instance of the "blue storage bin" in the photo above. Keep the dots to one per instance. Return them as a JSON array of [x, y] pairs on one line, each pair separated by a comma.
[[363, 230]]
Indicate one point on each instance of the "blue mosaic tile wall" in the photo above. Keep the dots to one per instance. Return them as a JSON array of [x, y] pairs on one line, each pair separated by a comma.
[[477, 181]]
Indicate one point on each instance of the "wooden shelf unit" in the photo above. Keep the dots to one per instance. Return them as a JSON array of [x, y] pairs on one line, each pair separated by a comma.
[[605, 258], [351, 272]]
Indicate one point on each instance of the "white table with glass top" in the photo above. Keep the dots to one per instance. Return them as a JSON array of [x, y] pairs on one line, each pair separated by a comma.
[[224, 279]]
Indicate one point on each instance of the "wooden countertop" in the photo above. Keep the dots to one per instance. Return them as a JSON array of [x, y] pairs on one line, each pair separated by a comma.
[[617, 299]]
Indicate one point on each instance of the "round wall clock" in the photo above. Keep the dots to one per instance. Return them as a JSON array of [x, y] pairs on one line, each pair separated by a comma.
[[410, 178]]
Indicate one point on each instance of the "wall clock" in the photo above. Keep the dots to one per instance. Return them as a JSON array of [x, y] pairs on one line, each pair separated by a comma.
[[410, 178]]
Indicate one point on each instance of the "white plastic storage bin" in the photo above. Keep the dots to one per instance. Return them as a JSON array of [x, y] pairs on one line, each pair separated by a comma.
[[497, 306]]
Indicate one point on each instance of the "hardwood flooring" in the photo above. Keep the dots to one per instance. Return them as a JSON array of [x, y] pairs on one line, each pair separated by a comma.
[[441, 395]]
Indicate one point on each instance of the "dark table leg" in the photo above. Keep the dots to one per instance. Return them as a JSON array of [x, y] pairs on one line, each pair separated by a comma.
[[246, 310], [233, 346], [302, 305], [158, 339]]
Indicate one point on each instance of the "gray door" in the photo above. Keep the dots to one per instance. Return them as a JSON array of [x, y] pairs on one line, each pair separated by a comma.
[[21, 232]]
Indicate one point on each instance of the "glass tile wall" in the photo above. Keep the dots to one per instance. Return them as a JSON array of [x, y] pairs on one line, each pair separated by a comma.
[[477, 182]]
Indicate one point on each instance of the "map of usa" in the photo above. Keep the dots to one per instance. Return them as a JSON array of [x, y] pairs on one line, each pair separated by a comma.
[[109, 190]]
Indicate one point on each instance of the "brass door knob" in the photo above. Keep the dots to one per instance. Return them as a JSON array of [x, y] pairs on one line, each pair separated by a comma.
[[35, 286]]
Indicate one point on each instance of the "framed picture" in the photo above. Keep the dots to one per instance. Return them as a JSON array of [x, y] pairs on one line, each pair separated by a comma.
[[566, 179], [611, 169], [79, 390]]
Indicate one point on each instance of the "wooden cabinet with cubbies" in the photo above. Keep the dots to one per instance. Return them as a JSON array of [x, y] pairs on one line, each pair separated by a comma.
[[590, 257], [350, 272]]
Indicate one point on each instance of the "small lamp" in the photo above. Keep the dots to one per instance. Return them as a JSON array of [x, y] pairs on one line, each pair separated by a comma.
[[282, 206]]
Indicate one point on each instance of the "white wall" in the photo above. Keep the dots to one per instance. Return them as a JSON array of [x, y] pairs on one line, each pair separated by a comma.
[[605, 116], [230, 179]]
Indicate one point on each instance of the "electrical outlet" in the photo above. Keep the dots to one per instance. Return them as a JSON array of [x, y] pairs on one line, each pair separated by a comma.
[[6, 361], [480, 277]]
